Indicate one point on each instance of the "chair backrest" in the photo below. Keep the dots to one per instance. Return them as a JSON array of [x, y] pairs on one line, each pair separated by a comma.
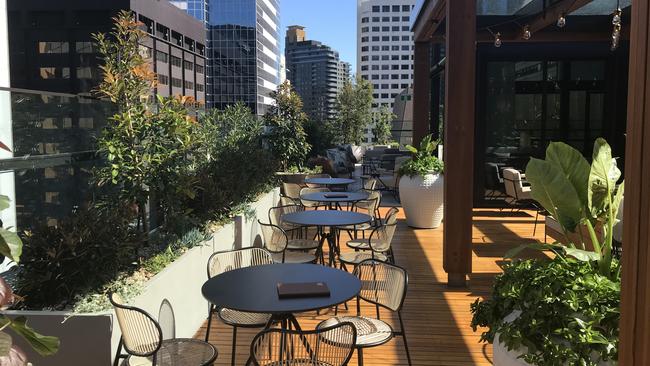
[[225, 261], [167, 320], [275, 238], [141, 334], [308, 190], [512, 181], [382, 283], [399, 161], [286, 200], [325, 346], [373, 201], [292, 190], [370, 184], [323, 175], [275, 213], [382, 237]]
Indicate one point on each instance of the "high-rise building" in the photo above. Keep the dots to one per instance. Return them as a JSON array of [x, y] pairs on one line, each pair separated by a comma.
[[385, 48], [51, 44], [315, 71], [243, 50]]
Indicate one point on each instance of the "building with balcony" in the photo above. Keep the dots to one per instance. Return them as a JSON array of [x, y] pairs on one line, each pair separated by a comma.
[[315, 71]]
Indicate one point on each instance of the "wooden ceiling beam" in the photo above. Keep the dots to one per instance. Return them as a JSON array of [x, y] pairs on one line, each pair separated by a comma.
[[551, 14], [429, 19]]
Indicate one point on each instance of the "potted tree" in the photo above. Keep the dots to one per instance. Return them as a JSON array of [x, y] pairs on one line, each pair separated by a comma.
[[421, 186], [563, 310]]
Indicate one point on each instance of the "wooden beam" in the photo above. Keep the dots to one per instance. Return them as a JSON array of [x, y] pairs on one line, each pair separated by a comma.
[[429, 18], [635, 287], [460, 81], [556, 37], [421, 90], [553, 12]]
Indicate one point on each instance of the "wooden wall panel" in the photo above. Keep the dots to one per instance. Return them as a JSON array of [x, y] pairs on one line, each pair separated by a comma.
[[421, 91], [635, 296]]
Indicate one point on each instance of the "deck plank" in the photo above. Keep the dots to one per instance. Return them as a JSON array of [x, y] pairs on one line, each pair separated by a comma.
[[437, 318]]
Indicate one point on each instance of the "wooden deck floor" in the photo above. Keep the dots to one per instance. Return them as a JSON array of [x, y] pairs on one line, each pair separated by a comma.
[[436, 318]]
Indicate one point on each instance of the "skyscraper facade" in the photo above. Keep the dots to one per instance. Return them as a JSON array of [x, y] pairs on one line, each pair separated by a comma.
[[385, 48], [315, 71], [243, 50]]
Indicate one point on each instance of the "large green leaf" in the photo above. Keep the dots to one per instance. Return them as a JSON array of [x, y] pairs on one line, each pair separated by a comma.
[[574, 166], [4, 202], [603, 177], [44, 345], [555, 192], [5, 344], [10, 245]]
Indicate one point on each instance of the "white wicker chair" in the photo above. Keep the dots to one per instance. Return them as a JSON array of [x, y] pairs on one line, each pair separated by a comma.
[[328, 346], [142, 339], [383, 285], [308, 190], [297, 238], [221, 262]]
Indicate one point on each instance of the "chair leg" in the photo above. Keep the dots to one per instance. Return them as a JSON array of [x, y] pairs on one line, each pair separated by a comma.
[[207, 331], [360, 356], [118, 354], [234, 346], [536, 219], [403, 332]]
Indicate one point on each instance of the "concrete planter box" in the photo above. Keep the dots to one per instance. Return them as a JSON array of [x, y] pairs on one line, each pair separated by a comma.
[[91, 339]]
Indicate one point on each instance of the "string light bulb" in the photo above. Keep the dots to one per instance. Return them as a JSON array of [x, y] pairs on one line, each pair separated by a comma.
[[497, 40], [616, 33], [561, 21], [526, 33]]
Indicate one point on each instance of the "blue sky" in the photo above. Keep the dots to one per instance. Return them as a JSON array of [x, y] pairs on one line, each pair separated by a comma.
[[332, 22]]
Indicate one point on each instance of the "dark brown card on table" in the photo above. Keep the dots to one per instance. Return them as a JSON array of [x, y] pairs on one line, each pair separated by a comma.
[[335, 195], [294, 290]]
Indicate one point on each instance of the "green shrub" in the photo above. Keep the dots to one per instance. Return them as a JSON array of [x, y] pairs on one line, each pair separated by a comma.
[[84, 251], [569, 311], [423, 161]]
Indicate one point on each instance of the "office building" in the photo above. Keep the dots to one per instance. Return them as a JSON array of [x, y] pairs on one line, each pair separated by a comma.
[[243, 50], [385, 48], [402, 127], [51, 45], [315, 71]]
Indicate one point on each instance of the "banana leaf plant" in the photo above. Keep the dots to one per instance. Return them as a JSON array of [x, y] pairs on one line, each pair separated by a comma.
[[10, 354], [578, 194]]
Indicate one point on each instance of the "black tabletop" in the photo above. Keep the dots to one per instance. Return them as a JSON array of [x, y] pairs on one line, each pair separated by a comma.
[[326, 218], [254, 289], [329, 181], [335, 196]]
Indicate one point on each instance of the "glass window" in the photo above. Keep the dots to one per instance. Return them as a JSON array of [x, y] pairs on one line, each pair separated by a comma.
[[49, 47], [406, 8], [375, 8], [84, 47], [385, 8]]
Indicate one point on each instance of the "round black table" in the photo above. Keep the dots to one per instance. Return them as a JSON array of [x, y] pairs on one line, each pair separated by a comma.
[[332, 199], [327, 218], [254, 290], [330, 182]]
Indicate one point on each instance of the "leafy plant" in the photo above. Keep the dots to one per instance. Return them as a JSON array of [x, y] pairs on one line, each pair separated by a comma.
[[564, 310], [558, 312], [287, 120], [423, 160], [353, 112], [383, 124], [11, 248]]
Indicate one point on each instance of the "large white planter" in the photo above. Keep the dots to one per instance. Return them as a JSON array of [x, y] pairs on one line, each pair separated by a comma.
[[91, 339], [423, 200]]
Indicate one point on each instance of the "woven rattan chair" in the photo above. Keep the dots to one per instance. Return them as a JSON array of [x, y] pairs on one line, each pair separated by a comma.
[[221, 262], [276, 241], [312, 204], [142, 339], [377, 246], [370, 206], [328, 346], [297, 238], [292, 190], [383, 285], [323, 175]]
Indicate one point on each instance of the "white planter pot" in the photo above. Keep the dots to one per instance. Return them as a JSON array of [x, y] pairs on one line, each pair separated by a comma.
[[423, 200], [502, 357]]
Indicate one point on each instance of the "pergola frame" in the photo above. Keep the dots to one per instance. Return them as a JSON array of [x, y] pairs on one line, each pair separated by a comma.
[[461, 38]]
